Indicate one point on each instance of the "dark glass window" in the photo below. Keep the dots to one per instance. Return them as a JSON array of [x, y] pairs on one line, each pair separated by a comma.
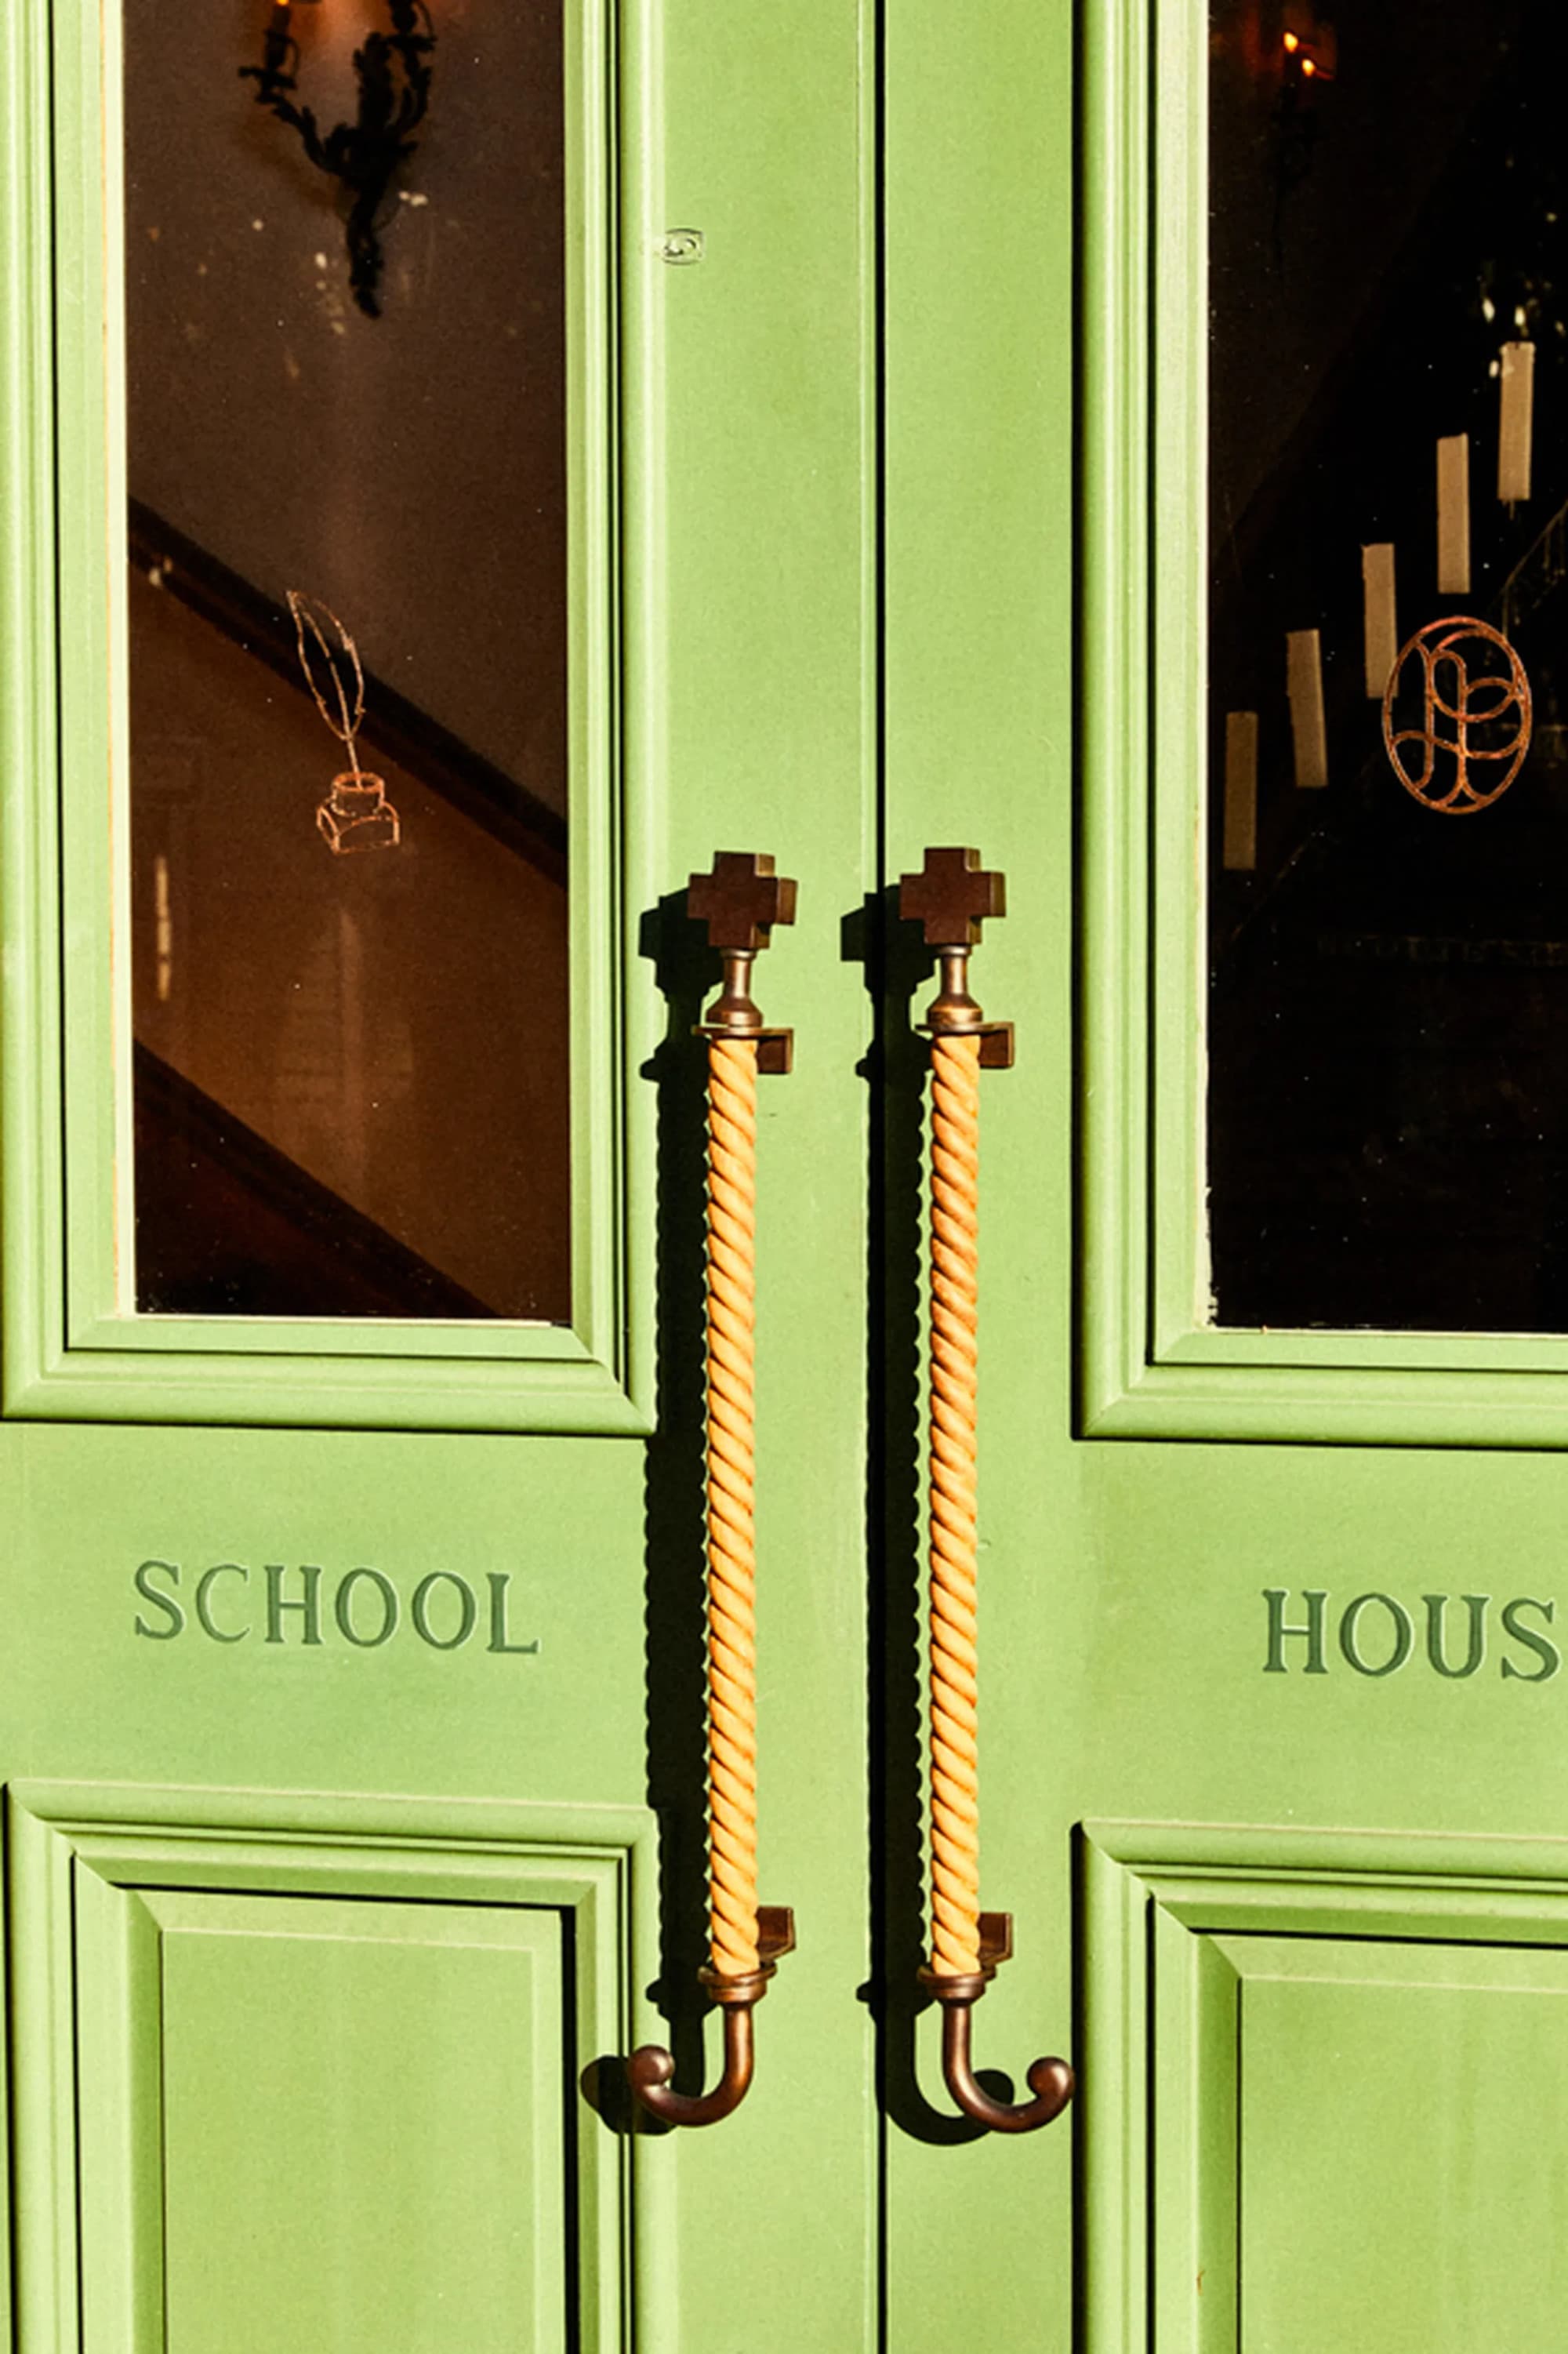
[[347, 620], [1388, 1125]]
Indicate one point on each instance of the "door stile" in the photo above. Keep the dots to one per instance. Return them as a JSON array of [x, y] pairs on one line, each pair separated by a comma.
[[980, 747], [759, 429]]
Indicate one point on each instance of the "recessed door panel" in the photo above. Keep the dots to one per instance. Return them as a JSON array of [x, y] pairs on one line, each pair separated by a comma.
[[1324, 2077]]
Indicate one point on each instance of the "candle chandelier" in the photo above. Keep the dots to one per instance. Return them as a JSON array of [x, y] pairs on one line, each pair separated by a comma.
[[392, 73], [1309, 58]]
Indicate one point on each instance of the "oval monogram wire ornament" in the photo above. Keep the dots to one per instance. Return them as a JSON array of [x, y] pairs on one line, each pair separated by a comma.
[[1475, 711]]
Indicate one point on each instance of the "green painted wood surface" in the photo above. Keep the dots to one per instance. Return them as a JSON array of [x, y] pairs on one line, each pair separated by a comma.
[[1360, 2225], [979, 691], [722, 698], [781, 643], [100, 1876], [1123, 1621], [359, 2124], [376, 2089], [1308, 2046]]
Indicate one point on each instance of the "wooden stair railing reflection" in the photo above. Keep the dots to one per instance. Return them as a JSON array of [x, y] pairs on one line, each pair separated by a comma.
[[395, 727], [234, 1226], [1539, 573]]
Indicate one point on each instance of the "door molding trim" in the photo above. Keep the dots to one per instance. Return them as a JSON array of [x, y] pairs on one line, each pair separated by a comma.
[[596, 1866], [1157, 2036]]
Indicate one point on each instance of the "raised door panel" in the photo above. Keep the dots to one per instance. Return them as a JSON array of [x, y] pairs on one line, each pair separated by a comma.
[[352, 2121], [313, 2073], [1402, 2171], [1323, 2085]]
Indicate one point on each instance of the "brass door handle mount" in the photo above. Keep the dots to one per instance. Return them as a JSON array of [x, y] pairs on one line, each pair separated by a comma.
[[740, 901], [951, 897]]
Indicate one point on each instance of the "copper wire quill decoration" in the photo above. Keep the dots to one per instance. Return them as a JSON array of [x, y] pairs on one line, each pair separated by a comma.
[[356, 813], [310, 614]]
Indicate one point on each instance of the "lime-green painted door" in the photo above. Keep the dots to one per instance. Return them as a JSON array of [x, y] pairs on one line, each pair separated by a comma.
[[353, 1734], [1270, 1747]]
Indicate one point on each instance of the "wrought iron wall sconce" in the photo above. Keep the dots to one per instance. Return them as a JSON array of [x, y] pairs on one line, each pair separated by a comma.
[[392, 73]]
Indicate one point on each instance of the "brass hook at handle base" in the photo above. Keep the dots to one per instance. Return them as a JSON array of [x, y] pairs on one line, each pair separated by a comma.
[[651, 2066], [1052, 2081]]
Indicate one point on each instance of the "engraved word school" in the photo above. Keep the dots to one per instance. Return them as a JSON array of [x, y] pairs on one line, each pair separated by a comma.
[[364, 1608]]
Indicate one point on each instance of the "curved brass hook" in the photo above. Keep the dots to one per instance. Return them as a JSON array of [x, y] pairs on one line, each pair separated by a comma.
[[1050, 2081], [651, 2066]]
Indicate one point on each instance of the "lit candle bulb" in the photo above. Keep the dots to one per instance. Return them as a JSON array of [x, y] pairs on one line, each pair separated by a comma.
[[1454, 515]]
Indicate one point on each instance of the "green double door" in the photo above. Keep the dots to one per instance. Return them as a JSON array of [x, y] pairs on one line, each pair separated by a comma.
[[694, 430]]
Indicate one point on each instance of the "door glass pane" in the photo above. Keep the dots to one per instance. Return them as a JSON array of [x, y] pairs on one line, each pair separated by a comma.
[[1389, 838], [348, 619]]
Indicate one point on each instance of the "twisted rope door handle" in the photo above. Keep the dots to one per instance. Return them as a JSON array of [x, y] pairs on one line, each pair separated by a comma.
[[740, 901], [951, 897]]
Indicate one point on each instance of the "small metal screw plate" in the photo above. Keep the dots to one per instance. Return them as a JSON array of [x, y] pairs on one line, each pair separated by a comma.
[[682, 245]]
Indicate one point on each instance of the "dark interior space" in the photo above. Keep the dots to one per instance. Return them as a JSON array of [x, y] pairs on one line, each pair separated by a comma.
[[1388, 1123]]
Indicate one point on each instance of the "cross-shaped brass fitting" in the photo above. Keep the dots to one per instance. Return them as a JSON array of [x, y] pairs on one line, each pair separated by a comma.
[[951, 896], [740, 901]]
